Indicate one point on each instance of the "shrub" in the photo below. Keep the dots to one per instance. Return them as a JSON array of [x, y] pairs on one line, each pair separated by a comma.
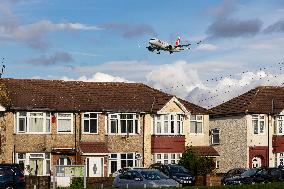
[[77, 182], [198, 165]]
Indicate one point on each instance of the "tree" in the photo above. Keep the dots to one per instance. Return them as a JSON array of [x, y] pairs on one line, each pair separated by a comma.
[[198, 165]]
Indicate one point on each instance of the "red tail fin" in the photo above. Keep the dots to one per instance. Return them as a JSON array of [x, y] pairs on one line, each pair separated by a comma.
[[178, 41]]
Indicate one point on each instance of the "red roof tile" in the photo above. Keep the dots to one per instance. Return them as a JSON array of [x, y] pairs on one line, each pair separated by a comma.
[[93, 147], [266, 100], [58, 95]]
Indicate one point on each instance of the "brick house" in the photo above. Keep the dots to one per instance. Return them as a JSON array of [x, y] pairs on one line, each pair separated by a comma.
[[105, 126], [247, 131]]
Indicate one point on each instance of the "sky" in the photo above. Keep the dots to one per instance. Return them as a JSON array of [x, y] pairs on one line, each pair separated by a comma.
[[105, 41]]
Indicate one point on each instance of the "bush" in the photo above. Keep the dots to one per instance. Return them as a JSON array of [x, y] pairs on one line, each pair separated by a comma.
[[198, 165], [77, 182]]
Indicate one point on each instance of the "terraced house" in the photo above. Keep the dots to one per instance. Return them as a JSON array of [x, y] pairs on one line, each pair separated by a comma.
[[105, 126], [247, 131]]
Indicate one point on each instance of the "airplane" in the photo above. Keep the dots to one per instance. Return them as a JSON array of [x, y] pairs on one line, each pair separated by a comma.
[[157, 44]]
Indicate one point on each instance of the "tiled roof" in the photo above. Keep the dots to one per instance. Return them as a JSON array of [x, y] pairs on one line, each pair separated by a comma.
[[266, 100], [204, 150], [58, 95], [93, 147]]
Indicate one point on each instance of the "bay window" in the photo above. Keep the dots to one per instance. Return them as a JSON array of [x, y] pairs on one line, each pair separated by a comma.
[[121, 160], [33, 122], [64, 123], [34, 163], [258, 123], [196, 124], [167, 158], [168, 124], [123, 124]]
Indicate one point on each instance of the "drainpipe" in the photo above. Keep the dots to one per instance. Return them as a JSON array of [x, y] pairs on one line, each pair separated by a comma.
[[143, 143], [268, 141], [75, 139]]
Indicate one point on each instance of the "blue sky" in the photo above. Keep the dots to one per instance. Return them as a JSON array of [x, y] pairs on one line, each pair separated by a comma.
[[106, 41]]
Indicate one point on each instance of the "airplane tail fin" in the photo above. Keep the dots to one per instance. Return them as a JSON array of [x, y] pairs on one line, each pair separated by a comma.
[[178, 41]]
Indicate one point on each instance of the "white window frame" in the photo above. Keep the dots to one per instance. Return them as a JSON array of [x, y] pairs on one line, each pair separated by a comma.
[[259, 118], [167, 158], [57, 121], [45, 116], [89, 118], [213, 133], [176, 118], [118, 160], [196, 120], [117, 118], [44, 156], [279, 158], [279, 122]]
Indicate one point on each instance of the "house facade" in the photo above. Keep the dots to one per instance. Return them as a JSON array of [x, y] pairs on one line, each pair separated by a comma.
[[247, 131], [105, 126]]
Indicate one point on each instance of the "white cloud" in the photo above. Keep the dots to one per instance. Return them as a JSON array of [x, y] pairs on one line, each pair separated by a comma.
[[98, 77], [33, 34], [229, 87]]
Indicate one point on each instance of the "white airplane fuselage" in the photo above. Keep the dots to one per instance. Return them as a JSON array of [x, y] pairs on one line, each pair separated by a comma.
[[162, 45]]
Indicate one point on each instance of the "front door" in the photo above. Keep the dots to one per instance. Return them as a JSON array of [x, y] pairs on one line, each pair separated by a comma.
[[256, 162], [95, 166]]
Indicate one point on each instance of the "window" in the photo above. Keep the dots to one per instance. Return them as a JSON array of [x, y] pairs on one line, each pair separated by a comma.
[[258, 124], [215, 134], [217, 165], [168, 124], [121, 160], [90, 123], [123, 124], [38, 163], [64, 122], [127, 160], [167, 158], [280, 124], [196, 124], [32, 122], [279, 157]]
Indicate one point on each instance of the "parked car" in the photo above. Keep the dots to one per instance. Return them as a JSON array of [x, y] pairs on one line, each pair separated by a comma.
[[245, 178], [232, 173], [140, 178], [122, 170], [12, 177], [176, 172], [257, 175]]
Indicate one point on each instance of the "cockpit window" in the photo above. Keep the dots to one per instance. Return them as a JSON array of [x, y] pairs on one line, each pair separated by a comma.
[[153, 39]]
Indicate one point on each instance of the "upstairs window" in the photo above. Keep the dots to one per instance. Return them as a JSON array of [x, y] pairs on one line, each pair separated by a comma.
[[90, 123], [215, 136], [196, 124], [64, 123], [123, 124], [168, 124], [258, 123], [32, 122]]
